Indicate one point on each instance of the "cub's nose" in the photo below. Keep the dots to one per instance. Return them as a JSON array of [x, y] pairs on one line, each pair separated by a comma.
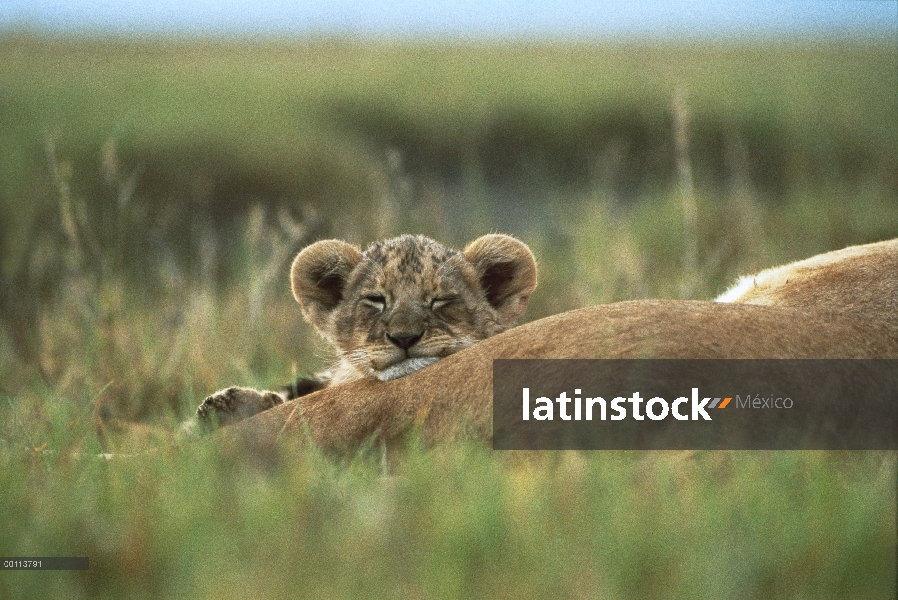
[[404, 339]]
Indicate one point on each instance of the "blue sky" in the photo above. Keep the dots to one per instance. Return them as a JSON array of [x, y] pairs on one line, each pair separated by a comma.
[[461, 17]]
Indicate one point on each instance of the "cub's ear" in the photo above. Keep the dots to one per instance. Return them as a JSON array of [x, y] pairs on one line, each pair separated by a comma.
[[506, 270], [318, 277]]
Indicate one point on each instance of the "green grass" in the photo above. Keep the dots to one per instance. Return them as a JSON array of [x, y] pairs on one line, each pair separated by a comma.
[[458, 522], [153, 192]]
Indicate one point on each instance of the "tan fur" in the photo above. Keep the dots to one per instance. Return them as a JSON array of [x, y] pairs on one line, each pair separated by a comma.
[[836, 305], [860, 279]]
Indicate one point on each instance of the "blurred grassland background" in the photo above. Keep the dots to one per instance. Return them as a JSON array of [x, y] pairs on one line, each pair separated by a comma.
[[153, 193]]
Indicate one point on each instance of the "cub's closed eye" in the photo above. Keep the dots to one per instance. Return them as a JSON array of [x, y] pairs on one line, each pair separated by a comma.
[[438, 303], [376, 300]]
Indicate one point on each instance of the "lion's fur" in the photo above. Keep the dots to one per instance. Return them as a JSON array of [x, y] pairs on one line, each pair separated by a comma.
[[857, 279], [832, 306]]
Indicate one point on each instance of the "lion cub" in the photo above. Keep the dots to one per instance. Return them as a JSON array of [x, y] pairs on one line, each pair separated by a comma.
[[394, 308]]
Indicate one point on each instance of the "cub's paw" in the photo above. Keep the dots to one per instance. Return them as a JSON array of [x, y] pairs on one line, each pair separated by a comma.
[[234, 404]]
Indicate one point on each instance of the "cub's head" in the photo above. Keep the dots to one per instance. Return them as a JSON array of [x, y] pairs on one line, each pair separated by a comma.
[[406, 302]]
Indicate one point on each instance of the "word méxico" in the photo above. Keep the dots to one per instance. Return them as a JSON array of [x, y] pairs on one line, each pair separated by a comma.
[[656, 408]]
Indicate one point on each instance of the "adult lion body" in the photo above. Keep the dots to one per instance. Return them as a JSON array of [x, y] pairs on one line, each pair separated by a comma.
[[793, 317]]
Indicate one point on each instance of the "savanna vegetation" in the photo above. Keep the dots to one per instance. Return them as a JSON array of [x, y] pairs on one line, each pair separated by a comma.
[[153, 192]]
